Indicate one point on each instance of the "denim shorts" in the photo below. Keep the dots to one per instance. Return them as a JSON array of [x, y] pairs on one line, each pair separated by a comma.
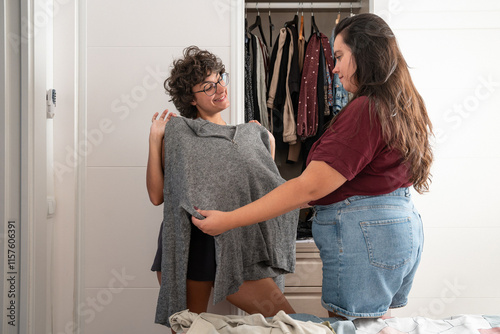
[[370, 247]]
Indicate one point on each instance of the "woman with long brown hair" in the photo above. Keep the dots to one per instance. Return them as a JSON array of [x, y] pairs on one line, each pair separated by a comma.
[[358, 175]]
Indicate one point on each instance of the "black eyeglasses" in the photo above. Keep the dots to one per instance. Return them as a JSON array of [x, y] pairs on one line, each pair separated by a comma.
[[210, 88]]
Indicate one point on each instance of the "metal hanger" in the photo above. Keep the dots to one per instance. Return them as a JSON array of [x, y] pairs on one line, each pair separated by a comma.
[[295, 20], [338, 15], [258, 23], [314, 27], [271, 27]]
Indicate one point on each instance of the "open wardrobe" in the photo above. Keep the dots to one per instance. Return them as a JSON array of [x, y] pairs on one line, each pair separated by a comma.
[[289, 90], [288, 53]]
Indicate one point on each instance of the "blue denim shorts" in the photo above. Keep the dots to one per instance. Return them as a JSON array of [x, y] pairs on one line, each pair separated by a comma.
[[370, 247]]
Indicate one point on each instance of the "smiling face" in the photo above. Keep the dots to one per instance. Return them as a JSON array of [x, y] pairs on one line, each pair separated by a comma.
[[345, 66], [209, 106]]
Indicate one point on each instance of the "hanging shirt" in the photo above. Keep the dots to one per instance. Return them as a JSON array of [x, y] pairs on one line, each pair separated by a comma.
[[324, 115], [341, 96], [248, 81], [354, 147], [307, 114], [294, 73], [276, 59], [289, 125], [280, 97], [261, 82], [301, 45]]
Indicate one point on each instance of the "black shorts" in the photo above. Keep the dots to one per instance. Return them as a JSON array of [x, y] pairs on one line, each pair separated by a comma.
[[201, 262]]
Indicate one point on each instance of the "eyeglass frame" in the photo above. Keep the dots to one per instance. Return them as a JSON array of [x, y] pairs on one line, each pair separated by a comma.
[[214, 84]]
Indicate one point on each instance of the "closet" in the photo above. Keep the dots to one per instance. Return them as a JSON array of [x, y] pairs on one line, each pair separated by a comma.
[[263, 23], [288, 61]]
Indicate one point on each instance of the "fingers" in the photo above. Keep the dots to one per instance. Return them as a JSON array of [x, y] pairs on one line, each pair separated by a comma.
[[204, 213], [154, 116], [164, 113], [254, 121], [201, 223], [165, 116], [197, 222], [170, 116]]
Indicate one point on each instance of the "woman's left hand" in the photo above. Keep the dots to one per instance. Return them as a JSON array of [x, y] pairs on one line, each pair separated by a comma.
[[215, 222]]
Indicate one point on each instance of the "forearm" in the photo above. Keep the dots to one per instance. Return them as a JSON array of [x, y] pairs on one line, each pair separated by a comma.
[[317, 181], [154, 173], [282, 199], [272, 143]]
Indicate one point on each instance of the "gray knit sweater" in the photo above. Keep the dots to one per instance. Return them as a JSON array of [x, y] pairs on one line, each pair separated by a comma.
[[216, 167]]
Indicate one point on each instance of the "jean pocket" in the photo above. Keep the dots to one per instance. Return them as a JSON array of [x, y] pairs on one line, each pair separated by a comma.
[[389, 242], [324, 217]]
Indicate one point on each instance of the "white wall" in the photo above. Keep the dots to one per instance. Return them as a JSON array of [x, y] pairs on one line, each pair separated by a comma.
[[451, 46], [63, 276], [130, 46], [453, 51]]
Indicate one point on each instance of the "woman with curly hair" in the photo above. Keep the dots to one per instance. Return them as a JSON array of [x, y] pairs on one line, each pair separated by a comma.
[[358, 175], [199, 160]]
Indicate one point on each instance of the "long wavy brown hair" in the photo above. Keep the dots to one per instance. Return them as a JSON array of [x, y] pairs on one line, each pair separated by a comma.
[[382, 75]]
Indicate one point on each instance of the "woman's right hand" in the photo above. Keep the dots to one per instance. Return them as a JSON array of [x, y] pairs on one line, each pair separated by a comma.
[[157, 130], [215, 222], [156, 157]]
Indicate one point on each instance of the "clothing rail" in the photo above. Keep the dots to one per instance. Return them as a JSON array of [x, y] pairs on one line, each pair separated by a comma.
[[302, 5]]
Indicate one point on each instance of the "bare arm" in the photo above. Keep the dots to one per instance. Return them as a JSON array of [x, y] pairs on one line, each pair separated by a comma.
[[317, 181], [272, 142], [154, 170]]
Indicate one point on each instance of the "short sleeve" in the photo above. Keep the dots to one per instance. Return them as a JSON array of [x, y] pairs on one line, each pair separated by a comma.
[[352, 142]]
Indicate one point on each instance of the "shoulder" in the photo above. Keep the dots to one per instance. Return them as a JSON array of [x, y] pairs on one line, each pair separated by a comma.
[[176, 128], [358, 110], [361, 103], [176, 121], [355, 109], [253, 128], [255, 131], [358, 117]]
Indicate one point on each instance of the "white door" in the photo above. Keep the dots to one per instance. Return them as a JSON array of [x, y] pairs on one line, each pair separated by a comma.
[[25, 228]]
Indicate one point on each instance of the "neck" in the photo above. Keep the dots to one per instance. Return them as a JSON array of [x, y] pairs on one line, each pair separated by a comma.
[[217, 119]]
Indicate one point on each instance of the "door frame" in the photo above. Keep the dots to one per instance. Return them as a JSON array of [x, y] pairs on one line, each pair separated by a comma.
[[25, 34]]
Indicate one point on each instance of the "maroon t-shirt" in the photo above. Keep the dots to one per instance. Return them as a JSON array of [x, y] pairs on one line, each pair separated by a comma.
[[355, 148]]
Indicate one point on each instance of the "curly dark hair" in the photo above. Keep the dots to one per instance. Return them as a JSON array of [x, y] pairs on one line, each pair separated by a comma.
[[187, 72]]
